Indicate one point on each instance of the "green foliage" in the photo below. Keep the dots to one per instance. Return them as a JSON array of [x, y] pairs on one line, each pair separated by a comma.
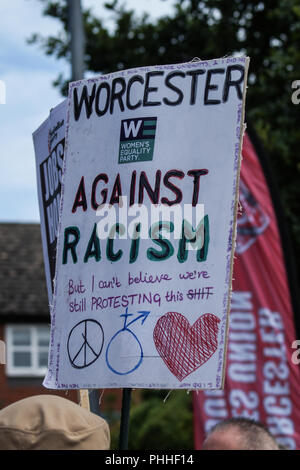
[[158, 421], [158, 424], [268, 31]]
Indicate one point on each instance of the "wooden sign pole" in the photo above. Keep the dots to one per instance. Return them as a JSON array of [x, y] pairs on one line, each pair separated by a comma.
[[83, 399], [90, 401]]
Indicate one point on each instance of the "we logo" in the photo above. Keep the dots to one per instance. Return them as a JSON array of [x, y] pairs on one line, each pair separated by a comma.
[[131, 128], [137, 139]]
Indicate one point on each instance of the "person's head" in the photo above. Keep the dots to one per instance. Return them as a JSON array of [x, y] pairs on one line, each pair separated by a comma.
[[239, 434], [50, 422]]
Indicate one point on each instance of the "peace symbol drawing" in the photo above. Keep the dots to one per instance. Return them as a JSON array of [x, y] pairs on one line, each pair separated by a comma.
[[85, 343]]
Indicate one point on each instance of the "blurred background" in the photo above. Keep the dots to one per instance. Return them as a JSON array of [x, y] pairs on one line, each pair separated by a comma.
[[35, 66]]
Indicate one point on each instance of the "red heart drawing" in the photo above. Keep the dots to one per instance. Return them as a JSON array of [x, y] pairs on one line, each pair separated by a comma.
[[184, 348]]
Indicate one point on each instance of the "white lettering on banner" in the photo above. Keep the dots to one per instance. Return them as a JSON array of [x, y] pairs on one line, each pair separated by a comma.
[[213, 395], [241, 300], [242, 321], [272, 370], [216, 407], [53, 217], [273, 397], [242, 336], [287, 442], [278, 406], [242, 344], [270, 319], [241, 399], [242, 359], [277, 402], [279, 426], [241, 404], [277, 388], [245, 373], [242, 352]]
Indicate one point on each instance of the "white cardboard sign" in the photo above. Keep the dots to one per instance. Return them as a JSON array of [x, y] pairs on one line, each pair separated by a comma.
[[147, 227], [49, 143]]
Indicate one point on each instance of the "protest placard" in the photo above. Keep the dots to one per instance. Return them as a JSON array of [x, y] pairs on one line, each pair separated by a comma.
[[49, 143], [147, 227]]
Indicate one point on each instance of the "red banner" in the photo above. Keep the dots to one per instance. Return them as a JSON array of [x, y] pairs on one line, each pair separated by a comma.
[[261, 381]]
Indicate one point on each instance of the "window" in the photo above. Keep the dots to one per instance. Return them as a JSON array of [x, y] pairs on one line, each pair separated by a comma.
[[27, 350]]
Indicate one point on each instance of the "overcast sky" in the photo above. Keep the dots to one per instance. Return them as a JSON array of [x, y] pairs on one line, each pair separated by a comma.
[[28, 75]]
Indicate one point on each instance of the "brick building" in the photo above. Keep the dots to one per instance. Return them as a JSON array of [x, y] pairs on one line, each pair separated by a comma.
[[25, 319]]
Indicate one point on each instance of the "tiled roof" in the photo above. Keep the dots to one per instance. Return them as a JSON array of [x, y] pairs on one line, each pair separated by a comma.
[[23, 288]]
